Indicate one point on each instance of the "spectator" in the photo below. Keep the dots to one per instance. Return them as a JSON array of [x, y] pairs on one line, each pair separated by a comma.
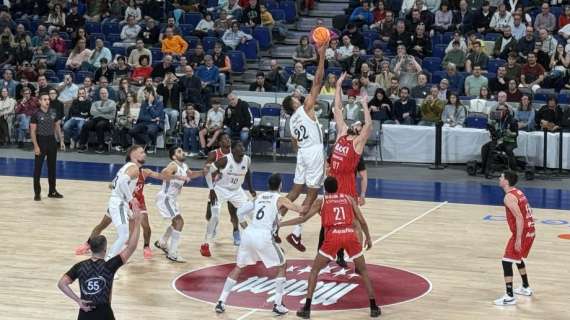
[[305, 53], [532, 73], [44, 56], [104, 84], [120, 68], [80, 34], [506, 130], [443, 18], [23, 53], [381, 107], [161, 69], [379, 12], [41, 35], [278, 28], [197, 59], [455, 56], [43, 86], [102, 115], [431, 108], [545, 19], [526, 44], [518, 28], [387, 28], [137, 52], [209, 74], [549, 117], [123, 90], [367, 88], [74, 19], [353, 64], [405, 68], [346, 50], [133, 10], [7, 104], [329, 88], [564, 23], [170, 23], [474, 82], [96, 9], [89, 87], [78, 56], [356, 38], [405, 108], [104, 71], [57, 44], [500, 82], [353, 110], [362, 15], [476, 58], [222, 24], [25, 108], [116, 11], [149, 34], [8, 82], [513, 92], [127, 115], [237, 119], [212, 128], [300, 79], [501, 19], [142, 72], [190, 123], [100, 52], [422, 89], [559, 64], [24, 83], [457, 37], [129, 33], [191, 88], [6, 52], [67, 91], [234, 36], [222, 61], [463, 18], [170, 92], [421, 43], [444, 91], [276, 77], [512, 68], [150, 120], [173, 44], [400, 36], [375, 62], [149, 84], [77, 115], [56, 19], [454, 113], [393, 91], [252, 14], [524, 115], [482, 18], [505, 44], [385, 76], [260, 85], [182, 63], [234, 10], [204, 26]]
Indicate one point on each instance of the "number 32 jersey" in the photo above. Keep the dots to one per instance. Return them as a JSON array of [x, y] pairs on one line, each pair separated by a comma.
[[305, 130]]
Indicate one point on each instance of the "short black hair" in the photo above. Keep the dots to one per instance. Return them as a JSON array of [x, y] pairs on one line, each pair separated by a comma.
[[98, 244], [274, 182], [172, 151], [41, 94], [236, 144], [512, 177], [331, 185], [288, 105]]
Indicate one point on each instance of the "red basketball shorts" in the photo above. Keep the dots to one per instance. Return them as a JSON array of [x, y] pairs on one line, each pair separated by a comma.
[[512, 255], [142, 204], [341, 238]]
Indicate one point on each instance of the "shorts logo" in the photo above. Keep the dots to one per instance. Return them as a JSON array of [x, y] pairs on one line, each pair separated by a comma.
[[337, 288]]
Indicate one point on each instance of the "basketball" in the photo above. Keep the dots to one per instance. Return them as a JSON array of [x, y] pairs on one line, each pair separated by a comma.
[[321, 35]]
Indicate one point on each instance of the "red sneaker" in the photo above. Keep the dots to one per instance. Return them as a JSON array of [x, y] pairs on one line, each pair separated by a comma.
[[147, 253], [82, 249], [296, 242], [205, 250]]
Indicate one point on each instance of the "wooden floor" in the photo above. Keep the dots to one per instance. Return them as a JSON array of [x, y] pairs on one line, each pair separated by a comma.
[[452, 246]]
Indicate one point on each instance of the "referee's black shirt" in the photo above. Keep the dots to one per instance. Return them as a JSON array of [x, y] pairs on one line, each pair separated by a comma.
[[96, 278], [45, 122]]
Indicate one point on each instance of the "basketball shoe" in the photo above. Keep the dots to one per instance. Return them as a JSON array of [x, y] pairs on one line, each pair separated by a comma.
[[147, 253], [280, 310], [164, 248], [505, 300], [220, 308], [205, 250], [296, 242], [522, 291]]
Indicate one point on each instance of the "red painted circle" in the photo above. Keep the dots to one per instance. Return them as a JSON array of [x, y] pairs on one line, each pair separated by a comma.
[[564, 236], [341, 289]]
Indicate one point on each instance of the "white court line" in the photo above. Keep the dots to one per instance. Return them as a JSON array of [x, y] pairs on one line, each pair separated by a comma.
[[409, 222], [378, 240]]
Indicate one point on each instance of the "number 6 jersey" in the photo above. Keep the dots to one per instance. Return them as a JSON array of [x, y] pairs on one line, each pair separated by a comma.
[[264, 215], [305, 130]]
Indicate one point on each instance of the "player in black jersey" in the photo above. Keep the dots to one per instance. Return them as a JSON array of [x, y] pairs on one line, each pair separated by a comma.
[[96, 276]]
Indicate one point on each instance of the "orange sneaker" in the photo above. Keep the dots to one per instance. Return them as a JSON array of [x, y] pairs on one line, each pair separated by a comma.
[[147, 253], [82, 249], [205, 250]]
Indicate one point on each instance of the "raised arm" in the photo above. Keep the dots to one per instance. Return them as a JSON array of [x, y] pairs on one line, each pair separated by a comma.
[[337, 108], [360, 140], [363, 223], [316, 87], [315, 208]]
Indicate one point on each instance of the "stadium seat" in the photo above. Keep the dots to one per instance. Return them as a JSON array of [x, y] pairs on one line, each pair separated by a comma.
[[237, 59], [60, 63], [437, 76], [51, 76], [564, 97], [81, 75], [93, 27], [263, 36], [543, 94], [446, 38], [247, 30], [439, 51], [375, 141], [186, 29], [212, 3], [271, 105], [113, 37], [311, 69], [250, 49], [192, 18], [334, 70], [476, 120], [290, 10], [432, 64], [110, 27], [157, 54], [118, 51], [289, 70], [62, 72], [494, 64], [491, 36], [278, 14], [209, 42], [192, 41], [271, 5]]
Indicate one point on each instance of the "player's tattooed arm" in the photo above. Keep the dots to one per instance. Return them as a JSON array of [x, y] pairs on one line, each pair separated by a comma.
[[363, 223], [315, 208]]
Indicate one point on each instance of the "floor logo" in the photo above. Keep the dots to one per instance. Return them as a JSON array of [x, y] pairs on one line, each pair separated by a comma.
[[337, 288]]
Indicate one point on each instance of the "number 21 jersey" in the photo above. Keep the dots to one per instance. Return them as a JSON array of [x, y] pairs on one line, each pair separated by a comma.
[[336, 211], [305, 130]]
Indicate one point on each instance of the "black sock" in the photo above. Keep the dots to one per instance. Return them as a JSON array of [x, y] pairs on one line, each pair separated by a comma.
[[146, 245], [509, 289], [524, 280], [308, 303], [373, 304]]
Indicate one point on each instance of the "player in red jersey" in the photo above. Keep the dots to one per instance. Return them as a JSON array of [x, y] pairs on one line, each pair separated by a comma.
[[338, 212], [213, 209], [521, 224], [106, 221]]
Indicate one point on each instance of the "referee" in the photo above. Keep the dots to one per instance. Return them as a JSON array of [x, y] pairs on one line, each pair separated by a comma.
[[96, 276], [44, 124]]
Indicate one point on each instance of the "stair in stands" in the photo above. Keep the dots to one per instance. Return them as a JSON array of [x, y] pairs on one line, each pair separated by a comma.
[[336, 7]]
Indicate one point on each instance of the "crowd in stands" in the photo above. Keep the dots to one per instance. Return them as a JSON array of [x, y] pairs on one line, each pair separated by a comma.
[[136, 70]]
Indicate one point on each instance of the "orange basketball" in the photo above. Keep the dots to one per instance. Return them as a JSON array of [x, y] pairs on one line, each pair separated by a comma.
[[321, 35]]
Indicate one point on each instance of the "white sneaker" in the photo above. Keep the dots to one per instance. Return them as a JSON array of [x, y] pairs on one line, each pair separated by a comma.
[[522, 291], [505, 300], [280, 310], [177, 258]]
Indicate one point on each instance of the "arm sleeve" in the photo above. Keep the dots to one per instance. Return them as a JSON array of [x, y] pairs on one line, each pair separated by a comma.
[[245, 210], [73, 273], [115, 263]]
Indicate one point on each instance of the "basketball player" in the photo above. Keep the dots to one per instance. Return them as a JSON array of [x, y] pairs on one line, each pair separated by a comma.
[[96, 276], [106, 221], [337, 212], [213, 211], [521, 224], [258, 244], [232, 169], [174, 176], [307, 137]]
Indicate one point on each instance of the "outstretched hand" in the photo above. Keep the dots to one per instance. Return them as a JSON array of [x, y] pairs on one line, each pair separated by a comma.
[[341, 80], [323, 48]]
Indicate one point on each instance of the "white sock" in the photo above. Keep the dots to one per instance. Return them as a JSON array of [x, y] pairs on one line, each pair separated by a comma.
[[279, 284], [297, 230], [173, 248], [230, 283], [213, 223], [164, 239], [122, 238]]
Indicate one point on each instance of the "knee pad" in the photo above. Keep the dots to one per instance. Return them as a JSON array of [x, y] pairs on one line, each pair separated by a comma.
[[507, 268], [521, 265]]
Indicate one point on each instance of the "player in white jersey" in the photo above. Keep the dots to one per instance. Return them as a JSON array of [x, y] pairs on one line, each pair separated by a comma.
[[123, 186], [257, 242], [174, 176], [307, 136], [233, 170]]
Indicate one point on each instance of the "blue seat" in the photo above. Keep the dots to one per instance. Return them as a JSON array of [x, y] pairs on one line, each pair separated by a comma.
[[212, 3], [476, 120], [113, 37], [289, 70], [494, 64], [118, 51], [311, 69], [81, 75], [271, 5], [110, 27], [250, 48], [93, 27], [439, 50], [186, 29], [564, 97], [237, 59], [334, 70], [290, 10], [278, 14], [192, 41], [371, 34], [62, 72], [492, 36], [271, 110], [192, 18], [209, 42], [60, 63], [247, 30], [157, 55], [255, 111], [446, 38], [437, 76], [432, 64], [539, 96], [263, 36]]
